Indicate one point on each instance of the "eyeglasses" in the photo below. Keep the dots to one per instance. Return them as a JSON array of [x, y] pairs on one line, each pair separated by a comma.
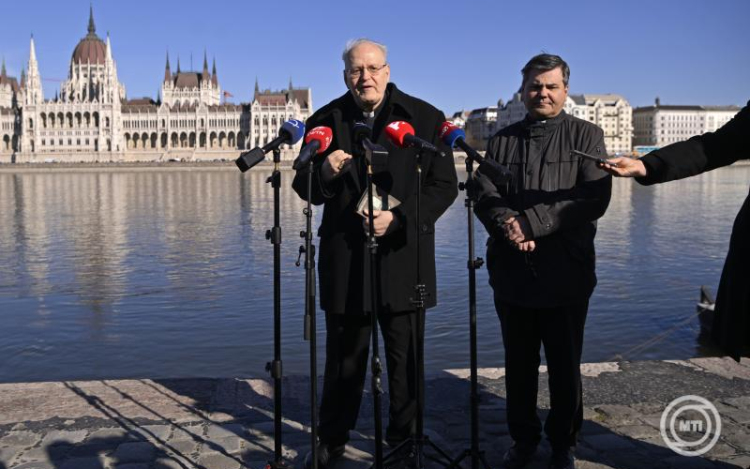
[[373, 70]]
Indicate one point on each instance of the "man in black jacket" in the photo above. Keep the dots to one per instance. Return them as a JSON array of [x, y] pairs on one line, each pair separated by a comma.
[[339, 181], [731, 325], [540, 255]]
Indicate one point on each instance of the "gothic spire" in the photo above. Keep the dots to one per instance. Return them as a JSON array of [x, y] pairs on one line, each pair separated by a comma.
[[92, 26], [214, 78], [205, 63], [257, 88], [167, 72], [178, 64], [4, 73]]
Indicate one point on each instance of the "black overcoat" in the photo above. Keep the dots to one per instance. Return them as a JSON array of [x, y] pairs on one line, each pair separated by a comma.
[[731, 327], [343, 262]]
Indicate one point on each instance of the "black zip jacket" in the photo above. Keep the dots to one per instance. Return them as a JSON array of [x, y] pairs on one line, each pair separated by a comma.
[[562, 196]]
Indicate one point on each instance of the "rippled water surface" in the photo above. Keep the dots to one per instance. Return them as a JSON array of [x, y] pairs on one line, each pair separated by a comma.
[[167, 273]]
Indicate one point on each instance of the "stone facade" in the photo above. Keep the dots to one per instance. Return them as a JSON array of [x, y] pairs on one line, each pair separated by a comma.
[[91, 119], [660, 125]]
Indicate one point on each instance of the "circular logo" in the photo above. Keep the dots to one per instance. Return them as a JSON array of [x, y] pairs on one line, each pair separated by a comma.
[[690, 425]]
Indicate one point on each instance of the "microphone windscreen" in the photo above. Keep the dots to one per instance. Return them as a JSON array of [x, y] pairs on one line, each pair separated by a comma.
[[396, 131], [295, 129], [449, 133], [361, 131], [322, 134]]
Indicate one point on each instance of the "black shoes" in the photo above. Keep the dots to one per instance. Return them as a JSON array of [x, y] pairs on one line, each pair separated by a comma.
[[562, 459], [518, 456], [326, 454]]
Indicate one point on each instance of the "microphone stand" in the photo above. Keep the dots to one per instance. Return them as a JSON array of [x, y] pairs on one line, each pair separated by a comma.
[[310, 328], [274, 367], [473, 264], [376, 368], [419, 440]]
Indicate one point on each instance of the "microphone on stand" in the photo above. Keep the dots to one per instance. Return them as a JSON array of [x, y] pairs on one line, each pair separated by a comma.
[[454, 136], [290, 132], [377, 155], [401, 134], [316, 142]]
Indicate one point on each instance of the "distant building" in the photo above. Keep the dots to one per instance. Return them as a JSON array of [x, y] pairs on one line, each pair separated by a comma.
[[660, 125], [91, 119], [459, 118], [480, 126], [611, 112]]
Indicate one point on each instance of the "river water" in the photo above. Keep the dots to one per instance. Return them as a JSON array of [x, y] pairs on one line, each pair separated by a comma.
[[166, 272]]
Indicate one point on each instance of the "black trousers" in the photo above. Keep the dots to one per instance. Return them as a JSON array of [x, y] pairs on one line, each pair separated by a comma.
[[347, 352], [560, 330]]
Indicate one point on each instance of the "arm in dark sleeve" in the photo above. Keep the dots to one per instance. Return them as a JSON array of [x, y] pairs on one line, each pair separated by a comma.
[[700, 153], [439, 188], [583, 203], [491, 207]]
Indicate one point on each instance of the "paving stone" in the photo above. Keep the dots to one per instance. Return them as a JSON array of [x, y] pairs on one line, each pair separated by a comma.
[[109, 433], [7, 455], [266, 428], [187, 432], [24, 439], [133, 466], [168, 463], [230, 444], [608, 442], [134, 452], [82, 463], [685, 462], [638, 432], [158, 432], [64, 436], [224, 431], [36, 454], [184, 447], [737, 437], [742, 461], [34, 465], [215, 460]]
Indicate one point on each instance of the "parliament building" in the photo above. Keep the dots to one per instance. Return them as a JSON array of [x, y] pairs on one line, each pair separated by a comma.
[[91, 120]]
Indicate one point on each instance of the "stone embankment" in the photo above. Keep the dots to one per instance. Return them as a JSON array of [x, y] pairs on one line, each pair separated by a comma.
[[228, 423]]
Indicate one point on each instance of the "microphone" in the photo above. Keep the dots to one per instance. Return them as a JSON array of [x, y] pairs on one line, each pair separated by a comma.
[[377, 155], [290, 132], [401, 134], [316, 142], [453, 135]]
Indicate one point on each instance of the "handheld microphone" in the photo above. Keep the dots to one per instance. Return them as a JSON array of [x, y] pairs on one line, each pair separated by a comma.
[[453, 135], [401, 134], [316, 142], [290, 132]]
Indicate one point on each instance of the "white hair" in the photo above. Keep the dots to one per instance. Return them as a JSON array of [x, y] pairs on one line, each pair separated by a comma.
[[354, 43]]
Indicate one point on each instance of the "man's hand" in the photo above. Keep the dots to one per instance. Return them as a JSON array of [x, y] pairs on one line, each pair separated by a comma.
[[335, 164], [625, 167], [517, 229], [383, 222], [526, 246]]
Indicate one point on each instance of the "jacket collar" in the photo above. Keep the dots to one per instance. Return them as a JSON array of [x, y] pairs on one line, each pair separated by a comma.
[[535, 128]]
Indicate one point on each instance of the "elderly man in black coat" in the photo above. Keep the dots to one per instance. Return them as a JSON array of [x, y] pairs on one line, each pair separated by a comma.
[[339, 180], [731, 327]]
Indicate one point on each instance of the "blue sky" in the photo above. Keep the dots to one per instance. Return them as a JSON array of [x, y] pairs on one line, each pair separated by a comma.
[[455, 55]]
